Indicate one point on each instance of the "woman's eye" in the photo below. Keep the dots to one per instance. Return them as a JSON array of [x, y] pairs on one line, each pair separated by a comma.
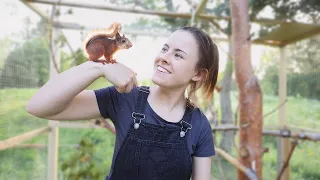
[[163, 49], [179, 56]]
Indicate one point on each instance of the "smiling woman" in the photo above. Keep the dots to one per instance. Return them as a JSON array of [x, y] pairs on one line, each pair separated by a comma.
[[160, 134]]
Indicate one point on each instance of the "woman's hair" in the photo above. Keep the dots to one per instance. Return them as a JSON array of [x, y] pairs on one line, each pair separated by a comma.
[[208, 60]]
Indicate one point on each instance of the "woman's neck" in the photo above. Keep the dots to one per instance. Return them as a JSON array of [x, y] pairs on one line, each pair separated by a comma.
[[169, 99]]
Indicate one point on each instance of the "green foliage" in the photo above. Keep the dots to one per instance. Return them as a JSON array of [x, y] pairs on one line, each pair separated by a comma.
[[70, 60], [27, 65], [5, 46], [303, 69], [81, 163], [303, 56], [298, 84], [304, 85]]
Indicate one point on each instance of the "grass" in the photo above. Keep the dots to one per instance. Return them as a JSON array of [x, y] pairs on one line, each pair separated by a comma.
[[32, 163]]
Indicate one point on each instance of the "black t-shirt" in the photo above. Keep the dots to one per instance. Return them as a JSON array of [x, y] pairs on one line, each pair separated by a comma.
[[119, 106]]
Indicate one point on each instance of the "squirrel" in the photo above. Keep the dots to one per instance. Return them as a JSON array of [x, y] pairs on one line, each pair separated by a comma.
[[105, 42]]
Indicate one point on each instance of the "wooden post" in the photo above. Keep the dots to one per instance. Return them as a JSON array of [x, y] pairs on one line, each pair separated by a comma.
[[283, 143], [53, 136], [250, 95]]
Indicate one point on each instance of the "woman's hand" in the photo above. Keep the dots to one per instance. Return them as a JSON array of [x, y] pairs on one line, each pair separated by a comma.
[[122, 77]]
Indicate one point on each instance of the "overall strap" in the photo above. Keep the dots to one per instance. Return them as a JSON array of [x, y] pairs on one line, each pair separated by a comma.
[[138, 115], [186, 121]]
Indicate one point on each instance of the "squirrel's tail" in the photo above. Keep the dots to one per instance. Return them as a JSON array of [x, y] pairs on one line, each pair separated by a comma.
[[109, 32]]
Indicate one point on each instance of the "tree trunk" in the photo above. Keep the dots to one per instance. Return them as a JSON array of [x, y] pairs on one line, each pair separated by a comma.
[[225, 103], [250, 96]]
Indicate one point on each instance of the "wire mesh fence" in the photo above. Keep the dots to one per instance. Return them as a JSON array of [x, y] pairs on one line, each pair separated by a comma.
[[25, 68]]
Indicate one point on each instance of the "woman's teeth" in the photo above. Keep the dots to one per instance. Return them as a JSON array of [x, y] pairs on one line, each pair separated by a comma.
[[161, 69]]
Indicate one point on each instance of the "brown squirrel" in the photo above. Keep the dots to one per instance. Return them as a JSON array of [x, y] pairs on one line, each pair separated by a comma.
[[101, 42]]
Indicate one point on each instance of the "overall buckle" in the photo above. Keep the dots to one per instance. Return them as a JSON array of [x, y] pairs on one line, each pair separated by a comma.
[[139, 116], [183, 125]]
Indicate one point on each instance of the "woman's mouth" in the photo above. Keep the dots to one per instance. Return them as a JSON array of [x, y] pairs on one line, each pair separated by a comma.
[[163, 70]]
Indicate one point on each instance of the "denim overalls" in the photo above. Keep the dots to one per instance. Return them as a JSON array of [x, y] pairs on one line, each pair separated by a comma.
[[153, 152]]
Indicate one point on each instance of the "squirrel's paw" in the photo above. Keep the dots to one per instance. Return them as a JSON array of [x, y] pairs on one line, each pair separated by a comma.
[[112, 61]]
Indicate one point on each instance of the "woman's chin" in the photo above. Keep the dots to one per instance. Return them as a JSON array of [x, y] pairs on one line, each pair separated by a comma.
[[158, 80]]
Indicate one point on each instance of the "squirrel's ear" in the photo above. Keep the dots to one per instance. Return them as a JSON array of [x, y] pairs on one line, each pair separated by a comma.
[[123, 36], [118, 36]]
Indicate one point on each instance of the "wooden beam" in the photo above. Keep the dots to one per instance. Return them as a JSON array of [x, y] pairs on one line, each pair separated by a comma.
[[13, 141], [268, 43], [53, 136], [277, 132], [271, 131], [307, 35], [75, 26], [196, 12], [250, 174], [150, 12], [301, 129], [200, 7], [125, 10], [42, 146], [36, 10], [283, 144], [77, 125], [295, 135], [285, 165]]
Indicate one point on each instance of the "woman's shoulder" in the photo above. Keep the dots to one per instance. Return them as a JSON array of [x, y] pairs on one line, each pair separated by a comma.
[[197, 114], [199, 120], [201, 138]]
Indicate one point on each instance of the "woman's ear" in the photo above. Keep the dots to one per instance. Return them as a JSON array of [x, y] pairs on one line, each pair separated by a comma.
[[200, 75]]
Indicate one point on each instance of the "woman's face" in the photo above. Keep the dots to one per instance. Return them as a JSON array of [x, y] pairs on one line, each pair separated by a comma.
[[174, 66]]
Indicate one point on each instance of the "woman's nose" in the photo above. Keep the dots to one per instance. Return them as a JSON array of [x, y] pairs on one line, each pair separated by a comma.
[[165, 57]]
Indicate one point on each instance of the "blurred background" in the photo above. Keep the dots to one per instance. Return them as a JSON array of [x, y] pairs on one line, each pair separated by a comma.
[[41, 38]]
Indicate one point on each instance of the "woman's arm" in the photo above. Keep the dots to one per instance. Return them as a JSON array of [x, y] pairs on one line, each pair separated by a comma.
[[64, 96], [201, 168]]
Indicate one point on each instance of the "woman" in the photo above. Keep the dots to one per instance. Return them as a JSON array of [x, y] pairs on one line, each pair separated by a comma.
[[159, 133]]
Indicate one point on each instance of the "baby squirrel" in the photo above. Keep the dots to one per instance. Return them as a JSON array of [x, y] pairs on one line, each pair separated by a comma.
[[101, 42]]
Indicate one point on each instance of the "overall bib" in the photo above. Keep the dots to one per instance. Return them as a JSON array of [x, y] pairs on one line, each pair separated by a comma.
[[153, 152]]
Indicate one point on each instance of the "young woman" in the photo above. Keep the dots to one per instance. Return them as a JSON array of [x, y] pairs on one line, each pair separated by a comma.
[[160, 134]]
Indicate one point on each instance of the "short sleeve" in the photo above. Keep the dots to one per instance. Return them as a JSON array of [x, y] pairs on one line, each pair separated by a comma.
[[205, 144], [107, 99]]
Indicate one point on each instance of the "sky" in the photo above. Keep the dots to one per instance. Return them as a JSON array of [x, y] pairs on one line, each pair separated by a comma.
[[140, 57]]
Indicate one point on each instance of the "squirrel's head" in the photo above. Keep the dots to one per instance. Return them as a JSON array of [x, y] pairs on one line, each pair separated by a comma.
[[123, 42]]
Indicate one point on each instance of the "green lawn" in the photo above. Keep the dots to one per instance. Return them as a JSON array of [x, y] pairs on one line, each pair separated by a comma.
[[32, 163]]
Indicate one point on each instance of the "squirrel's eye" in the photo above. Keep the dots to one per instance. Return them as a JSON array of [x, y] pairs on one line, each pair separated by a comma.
[[123, 40]]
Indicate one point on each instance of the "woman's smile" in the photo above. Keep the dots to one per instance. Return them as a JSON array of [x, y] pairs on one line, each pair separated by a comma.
[[162, 70]]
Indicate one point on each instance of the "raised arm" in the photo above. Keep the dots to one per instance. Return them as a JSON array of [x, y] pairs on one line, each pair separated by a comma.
[[64, 96]]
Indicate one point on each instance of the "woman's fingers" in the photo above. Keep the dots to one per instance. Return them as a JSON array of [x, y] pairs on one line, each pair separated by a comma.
[[131, 84], [128, 84], [135, 81]]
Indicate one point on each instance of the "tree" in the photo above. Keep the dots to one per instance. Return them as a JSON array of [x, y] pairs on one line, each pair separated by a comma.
[[250, 95]]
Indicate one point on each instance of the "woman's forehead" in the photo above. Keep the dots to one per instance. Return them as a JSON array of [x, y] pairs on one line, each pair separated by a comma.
[[182, 40]]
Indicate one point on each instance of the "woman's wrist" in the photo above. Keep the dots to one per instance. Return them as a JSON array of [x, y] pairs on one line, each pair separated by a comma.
[[97, 67]]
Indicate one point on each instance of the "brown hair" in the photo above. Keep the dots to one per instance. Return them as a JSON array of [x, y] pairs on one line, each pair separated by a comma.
[[208, 60]]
